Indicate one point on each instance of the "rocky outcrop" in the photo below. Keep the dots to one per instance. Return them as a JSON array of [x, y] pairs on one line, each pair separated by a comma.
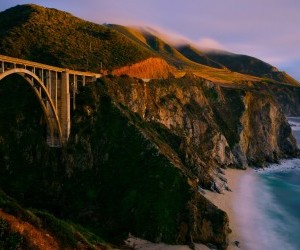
[[266, 135], [287, 96]]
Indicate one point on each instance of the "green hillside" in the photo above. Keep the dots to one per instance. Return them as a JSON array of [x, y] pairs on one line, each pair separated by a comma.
[[162, 48], [250, 65], [208, 69], [57, 38], [197, 56]]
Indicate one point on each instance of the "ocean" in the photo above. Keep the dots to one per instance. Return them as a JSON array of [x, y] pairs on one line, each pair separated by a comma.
[[268, 204]]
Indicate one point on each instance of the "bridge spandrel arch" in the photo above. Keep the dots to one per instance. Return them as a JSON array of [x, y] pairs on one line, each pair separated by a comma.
[[55, 137]]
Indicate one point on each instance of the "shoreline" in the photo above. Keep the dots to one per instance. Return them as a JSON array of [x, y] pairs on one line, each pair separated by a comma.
[[226, 202]]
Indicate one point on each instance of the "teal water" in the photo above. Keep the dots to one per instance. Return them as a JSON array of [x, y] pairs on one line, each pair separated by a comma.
[[268, 205], [282, 208]]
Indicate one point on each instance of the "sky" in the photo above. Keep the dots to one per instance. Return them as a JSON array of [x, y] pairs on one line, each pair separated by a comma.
[[266, 29]]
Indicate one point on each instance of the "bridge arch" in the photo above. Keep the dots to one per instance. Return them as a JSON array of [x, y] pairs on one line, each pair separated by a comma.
[[44, 98]]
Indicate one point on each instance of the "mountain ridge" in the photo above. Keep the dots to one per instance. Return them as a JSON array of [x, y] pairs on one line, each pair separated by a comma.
[[60, 39], [57, 38]]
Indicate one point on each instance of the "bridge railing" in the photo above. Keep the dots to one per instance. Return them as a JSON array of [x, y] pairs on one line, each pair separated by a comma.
[[5, 60]]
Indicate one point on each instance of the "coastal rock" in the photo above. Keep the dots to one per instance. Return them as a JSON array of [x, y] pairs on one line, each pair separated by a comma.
[[210, 126], [266, 135], [117, 172], [138, 153]]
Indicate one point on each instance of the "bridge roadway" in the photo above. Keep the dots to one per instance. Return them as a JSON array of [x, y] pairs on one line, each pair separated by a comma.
[[55, 89]]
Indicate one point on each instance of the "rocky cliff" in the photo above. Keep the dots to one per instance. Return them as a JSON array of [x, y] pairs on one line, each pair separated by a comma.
[[214, 126], [118, 173], [138, 154], [287, 96]]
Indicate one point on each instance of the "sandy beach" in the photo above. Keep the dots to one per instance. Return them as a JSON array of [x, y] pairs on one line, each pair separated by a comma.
[[226, 201], [141, 244]]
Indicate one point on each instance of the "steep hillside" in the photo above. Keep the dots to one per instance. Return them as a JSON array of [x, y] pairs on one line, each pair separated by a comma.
[[24, 152], [187, 57], [197, 56], [22, 228], [58, 38], [138, 153], [198, 111], [184, 61], [249, 65], [116, 175], [151, 41]]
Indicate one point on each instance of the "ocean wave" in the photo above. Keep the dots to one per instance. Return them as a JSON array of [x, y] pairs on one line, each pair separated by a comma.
[[260, 217], [295, 125], [283, 166]]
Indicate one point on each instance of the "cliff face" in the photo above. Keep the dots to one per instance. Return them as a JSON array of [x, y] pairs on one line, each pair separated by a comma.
[[117, 175], [214, 126], [138, 153], [266, 136], [287, 96]]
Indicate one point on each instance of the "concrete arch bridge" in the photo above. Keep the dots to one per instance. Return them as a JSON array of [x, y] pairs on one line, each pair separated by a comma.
[[55, 89]]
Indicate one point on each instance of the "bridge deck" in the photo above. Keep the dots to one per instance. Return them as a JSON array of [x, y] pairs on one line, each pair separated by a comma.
[[18, 61]]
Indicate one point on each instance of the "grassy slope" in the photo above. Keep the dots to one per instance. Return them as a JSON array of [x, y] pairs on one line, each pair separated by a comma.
[[156, 44], [211, 66], [249, 65], [181, 62], [58, 38], [197, 56]]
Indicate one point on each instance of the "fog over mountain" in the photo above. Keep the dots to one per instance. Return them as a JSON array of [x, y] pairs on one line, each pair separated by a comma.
[[266, 30]]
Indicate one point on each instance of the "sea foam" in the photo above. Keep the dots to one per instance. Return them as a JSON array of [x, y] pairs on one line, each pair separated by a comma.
[[259, 216]]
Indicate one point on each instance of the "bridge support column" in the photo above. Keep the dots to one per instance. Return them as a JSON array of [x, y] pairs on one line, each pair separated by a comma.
[[65, 116]]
